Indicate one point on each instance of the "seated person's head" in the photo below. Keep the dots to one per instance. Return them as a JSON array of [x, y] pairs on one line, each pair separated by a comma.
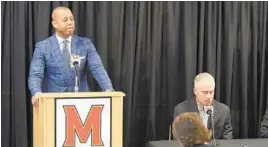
[[189, 130]]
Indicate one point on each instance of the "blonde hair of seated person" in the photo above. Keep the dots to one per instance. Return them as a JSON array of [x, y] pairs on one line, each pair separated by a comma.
[[189, 130]]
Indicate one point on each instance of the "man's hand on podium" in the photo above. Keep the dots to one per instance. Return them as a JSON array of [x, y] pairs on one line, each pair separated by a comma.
[[35, 100], [109, 90]]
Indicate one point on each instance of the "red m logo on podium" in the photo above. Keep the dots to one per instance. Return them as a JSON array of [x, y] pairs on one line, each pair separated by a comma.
[[75, 126]]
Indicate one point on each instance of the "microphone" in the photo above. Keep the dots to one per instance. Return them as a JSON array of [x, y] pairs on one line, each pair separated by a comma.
[[76, 64], [210, 124], [209, 112]]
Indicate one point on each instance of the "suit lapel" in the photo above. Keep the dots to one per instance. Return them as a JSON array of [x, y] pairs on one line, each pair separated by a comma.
[[215, 113], [192, 105], [58, 56], [74, 49]]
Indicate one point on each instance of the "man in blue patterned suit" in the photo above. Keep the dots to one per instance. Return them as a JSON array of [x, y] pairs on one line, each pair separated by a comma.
[[51, 67]]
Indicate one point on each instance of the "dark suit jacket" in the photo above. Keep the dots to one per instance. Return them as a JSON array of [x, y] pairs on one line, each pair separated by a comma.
[[264, 126], [221, 117], [49, 74]]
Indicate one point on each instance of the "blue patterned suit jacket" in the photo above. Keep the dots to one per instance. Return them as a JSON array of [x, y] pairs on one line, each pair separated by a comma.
[[49, 74]]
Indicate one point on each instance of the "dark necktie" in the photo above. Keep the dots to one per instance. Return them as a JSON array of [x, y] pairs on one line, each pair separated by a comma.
[[209, 125], [66, 53]]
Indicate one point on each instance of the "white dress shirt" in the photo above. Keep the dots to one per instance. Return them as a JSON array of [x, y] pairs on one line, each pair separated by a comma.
[[60, 40]]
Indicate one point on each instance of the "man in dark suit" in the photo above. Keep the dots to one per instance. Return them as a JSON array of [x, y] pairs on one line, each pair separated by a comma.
[[52, 67], [204, 104], [264, 126]]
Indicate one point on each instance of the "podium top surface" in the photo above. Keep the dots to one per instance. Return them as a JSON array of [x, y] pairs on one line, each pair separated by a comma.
[[81, 94]]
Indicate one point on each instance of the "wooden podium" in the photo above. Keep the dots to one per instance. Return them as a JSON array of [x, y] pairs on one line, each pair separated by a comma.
[[82, 119]]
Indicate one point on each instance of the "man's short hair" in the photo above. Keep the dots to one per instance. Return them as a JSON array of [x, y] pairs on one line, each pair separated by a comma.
[[203, 77], [189, 130]]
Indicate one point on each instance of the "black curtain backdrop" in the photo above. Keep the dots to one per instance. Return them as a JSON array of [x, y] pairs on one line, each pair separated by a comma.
[[152, 52]]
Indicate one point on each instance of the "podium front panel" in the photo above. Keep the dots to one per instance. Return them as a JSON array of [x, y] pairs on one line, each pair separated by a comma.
[[80, 120]]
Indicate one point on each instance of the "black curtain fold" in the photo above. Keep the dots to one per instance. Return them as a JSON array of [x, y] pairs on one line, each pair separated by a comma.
[[152, 52]]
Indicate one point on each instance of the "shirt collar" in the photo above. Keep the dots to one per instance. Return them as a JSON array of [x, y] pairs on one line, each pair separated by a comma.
[[199, 108], [60, 39], [204, 109]]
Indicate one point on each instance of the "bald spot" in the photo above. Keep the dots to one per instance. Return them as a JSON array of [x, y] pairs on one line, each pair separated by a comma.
[[57, 11]]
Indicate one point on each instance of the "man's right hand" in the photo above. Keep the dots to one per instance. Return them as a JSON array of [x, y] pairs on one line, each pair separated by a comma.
[[35, 100]]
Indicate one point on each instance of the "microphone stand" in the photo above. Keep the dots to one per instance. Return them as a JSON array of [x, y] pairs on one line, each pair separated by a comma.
[[210, 118], [76, 66], [213, 131]]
